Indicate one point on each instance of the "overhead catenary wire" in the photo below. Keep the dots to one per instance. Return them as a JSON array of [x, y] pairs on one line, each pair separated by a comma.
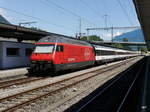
[[91, 8], [129, 2], [130, 5], [62, 11], [37, 18], [94, 11], [125, 12], [70, 12], [58, 6], [127, 6], [74, 14], [48, 5]]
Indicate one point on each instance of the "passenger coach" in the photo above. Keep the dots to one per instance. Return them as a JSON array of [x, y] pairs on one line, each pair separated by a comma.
[[105, 53]]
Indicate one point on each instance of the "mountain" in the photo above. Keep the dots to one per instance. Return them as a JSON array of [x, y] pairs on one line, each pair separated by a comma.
[[3, 20], [132, 36]]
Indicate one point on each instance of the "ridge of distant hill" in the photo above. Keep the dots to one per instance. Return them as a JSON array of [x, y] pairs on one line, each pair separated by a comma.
[[132, 36]]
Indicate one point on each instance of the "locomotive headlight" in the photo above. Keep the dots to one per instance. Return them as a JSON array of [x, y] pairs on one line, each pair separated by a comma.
[[33, 61], [49, 61]]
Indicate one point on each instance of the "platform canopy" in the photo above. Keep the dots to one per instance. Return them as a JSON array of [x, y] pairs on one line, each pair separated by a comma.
[[22, 33], [143, 13]]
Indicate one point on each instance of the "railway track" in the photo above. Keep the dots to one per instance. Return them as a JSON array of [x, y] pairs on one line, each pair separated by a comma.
[[14, 83], [20, 81], [120, 94], [22, 99], [7, 79]]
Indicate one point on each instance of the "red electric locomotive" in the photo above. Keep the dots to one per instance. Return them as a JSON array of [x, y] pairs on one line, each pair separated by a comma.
[[59, 53]]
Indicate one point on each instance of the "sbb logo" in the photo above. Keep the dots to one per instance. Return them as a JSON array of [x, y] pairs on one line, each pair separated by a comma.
[[87, 54]]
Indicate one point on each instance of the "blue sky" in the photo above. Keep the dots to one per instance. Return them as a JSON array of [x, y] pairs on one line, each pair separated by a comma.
[[62, 16]]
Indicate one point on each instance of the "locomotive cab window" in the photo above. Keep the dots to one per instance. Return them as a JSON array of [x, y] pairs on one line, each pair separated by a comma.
[[60, 48], [45, 48]]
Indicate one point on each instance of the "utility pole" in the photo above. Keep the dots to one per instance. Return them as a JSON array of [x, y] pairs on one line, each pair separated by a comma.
[[80, 28], [87, 34], [105, 17], [112, 33]]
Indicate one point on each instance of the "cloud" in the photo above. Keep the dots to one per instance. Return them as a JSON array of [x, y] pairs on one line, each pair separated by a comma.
[[118, 33], [2, 12], [107, 36]]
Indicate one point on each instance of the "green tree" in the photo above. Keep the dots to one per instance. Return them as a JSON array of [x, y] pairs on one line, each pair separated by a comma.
[[84, 38], [127, 47], [118, 45], [92, 38], [143, 49], [125, 39], [36, 28]]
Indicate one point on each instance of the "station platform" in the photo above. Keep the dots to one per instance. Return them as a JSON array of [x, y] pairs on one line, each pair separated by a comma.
[[145, 97], [16, 72], [129, 91]]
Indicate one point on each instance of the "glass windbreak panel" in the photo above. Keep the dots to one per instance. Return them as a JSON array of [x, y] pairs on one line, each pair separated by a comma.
[[44, 49]]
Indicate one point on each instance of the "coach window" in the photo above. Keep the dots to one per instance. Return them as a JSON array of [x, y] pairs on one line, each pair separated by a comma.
[[103, 52], [98, 52], [28, 52], [12, 51]]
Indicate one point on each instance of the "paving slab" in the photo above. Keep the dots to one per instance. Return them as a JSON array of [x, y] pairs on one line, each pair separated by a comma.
[[13, 72]]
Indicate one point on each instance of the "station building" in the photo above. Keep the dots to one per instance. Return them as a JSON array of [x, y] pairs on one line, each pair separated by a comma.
[[14, 54]]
